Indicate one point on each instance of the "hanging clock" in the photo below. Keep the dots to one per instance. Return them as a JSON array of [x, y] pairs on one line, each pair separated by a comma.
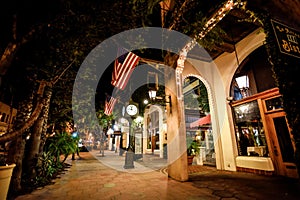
[[131, 109]]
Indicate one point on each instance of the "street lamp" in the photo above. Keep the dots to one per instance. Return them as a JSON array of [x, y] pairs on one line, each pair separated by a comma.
[[129, 157], [153, 97], [146, 101], [152, 94]]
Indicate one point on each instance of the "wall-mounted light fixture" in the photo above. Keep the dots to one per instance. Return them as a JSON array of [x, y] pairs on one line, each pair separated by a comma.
[[243, 84], [153, 97], [242, 81]]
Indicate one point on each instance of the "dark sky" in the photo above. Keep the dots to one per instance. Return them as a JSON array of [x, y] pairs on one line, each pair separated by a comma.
[[104, 85]]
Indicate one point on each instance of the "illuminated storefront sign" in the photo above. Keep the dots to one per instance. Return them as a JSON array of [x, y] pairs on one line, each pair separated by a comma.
[[287, 38]]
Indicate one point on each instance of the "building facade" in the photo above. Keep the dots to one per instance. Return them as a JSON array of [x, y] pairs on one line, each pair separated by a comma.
[[240, 121], [7, 117]]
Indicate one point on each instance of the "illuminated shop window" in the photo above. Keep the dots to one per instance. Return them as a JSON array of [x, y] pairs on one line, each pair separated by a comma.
[[249, 130], [253, 76]]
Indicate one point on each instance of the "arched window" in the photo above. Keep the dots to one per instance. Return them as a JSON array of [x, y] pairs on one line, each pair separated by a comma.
[[254, 75]]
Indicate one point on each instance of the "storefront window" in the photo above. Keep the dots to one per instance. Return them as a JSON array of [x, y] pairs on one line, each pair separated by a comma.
[[274, 103], [251, 140]]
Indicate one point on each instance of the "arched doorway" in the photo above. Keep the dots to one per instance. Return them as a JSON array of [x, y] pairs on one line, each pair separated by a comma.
[[198, 122], [155, 131]]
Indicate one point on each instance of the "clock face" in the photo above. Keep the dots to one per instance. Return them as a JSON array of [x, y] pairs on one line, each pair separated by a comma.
[[131, 109]]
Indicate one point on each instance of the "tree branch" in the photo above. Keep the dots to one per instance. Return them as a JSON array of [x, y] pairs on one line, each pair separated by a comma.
[[13, 46], [56, 78], [36, 113], [11, 135]]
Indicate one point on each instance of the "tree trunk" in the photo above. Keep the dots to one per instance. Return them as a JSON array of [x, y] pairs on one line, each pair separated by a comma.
[[35, 139], [15, 155], [7, 57], [45, 124], [17, 146], [44, 133]]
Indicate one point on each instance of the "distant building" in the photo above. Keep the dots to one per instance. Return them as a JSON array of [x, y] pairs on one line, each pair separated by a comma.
[[7, 117]]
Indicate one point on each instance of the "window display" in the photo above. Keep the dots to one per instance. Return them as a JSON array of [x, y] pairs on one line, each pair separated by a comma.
[[274, 103], [249, 129]]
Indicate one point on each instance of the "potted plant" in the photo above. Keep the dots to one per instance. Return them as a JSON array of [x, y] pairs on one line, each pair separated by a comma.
[[192, 151], [6, 170]]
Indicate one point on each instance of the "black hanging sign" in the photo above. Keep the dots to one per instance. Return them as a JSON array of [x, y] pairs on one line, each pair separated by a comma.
[[288, 39]]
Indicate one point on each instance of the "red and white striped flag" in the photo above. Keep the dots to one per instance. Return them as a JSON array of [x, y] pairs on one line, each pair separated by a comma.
[[109, 105], [123, 68]]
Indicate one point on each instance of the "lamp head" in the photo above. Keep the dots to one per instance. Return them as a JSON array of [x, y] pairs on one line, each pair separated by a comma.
[[152, 94]]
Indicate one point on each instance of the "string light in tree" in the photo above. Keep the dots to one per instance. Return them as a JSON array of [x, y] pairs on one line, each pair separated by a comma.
[[210, 24]]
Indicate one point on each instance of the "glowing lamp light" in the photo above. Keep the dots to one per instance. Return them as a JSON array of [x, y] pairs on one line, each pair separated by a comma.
[[243, 81], [152, 94]]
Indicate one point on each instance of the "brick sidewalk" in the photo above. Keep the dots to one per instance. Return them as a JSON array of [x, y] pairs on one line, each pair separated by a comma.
[[90, 178]]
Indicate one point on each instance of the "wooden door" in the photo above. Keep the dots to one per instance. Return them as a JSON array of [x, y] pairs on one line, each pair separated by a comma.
[[281, 145]]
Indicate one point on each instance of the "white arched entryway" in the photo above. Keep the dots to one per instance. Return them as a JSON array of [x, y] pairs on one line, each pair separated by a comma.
[[198, 119], [154, 130], [217, 76]]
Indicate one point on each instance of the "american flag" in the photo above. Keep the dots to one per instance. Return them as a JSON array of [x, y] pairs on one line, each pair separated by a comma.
[[109, 105], [123, 68]]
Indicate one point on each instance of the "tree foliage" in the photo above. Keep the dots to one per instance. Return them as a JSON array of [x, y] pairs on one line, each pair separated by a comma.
[[40, 47], [185, 16]]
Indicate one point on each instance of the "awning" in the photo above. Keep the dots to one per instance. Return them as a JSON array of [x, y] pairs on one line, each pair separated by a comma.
[[201, 121]]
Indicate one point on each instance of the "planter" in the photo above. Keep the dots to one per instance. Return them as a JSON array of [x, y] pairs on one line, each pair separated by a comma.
[[190, 159], [5, 176]]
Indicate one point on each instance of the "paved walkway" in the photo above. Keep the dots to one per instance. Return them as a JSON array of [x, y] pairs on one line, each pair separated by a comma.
[[97, 177]]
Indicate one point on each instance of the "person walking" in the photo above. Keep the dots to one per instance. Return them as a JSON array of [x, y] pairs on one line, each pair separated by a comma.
[[77, 139]]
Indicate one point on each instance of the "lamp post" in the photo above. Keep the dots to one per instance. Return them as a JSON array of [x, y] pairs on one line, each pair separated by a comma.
[[132, 112], [129, 158]]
